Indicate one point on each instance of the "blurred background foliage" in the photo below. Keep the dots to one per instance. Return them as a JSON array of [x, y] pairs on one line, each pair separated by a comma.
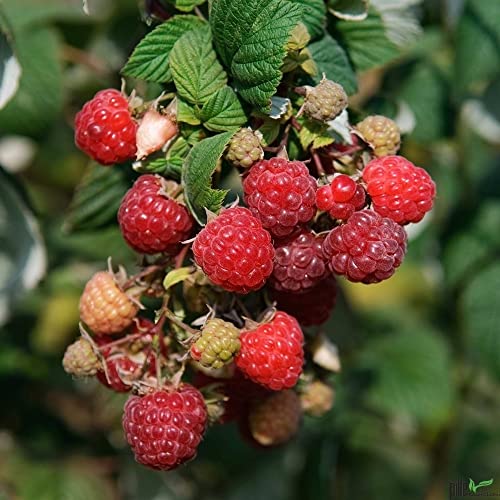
[[418, 399]]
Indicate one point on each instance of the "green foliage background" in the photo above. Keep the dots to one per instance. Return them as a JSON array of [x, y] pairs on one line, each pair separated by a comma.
[[418, 398]]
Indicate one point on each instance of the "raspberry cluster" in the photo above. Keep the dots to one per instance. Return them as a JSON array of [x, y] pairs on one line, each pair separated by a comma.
[[230, 303]]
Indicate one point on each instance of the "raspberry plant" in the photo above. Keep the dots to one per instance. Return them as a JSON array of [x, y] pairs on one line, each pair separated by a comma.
[[246, 116]]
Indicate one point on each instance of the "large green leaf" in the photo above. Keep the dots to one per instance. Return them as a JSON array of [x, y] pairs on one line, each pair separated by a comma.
[[197, 176], [313, 16], [149, 61], [367, 42], [39, 97], [250, 37], [331, 59], [197, 72], [412, 374], [223, 111]]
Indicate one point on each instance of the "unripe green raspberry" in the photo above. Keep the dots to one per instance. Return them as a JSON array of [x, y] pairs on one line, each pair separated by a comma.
[[217, 345], [245, 148], [381, 133], [80, 359], [275, 419], [325, 101]]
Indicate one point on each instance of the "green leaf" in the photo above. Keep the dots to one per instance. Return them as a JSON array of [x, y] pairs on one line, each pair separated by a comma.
[[38, 100], [10, 70], [186, 113], [406, 366], [187, 5], [314, 134], [197, 72], [96, 199], [223, 111], [481, 316], [250, 37], [477, 43], [176, 276], [149, 61], [270, 130], [349, 10], [367, 42], [197, 176], [313, 16], [331, 59], [168, 167]]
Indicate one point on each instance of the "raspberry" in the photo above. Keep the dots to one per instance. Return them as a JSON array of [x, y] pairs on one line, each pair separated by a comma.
[[104, 307], [165, 427], [381, 133], [234, 251], [150, 221], [245, 148], [341, 198], [217, 345], [398, 189], [281, 194], [275, 419], [299, 263], [105, 129], [317, 398], [80, 359], [325, 101], [272, 354], [367, 249], [312, 307]]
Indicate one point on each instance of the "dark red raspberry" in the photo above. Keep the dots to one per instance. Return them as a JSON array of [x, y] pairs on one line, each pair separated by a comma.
[[398, 189], [341, 198], [122, 371], [312, 307], [368, 248], [299, 263], [105, 129], [281, 194], [272, 354], [150, 221], [235, 251], [165, 427]]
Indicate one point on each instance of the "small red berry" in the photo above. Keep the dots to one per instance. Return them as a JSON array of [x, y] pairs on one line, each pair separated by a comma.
[[341, 198], [272, 354], [235, 251], [368, 248], [299, 263], [165, 427], [398, 189], [105, 129], [150, 221], [281, 194]]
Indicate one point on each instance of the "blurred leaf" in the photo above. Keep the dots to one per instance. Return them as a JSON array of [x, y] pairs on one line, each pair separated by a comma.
[[150, 59], [97, 198], [406, 366], [367, 43], [331, 59], [223, 111], [481, 316], [349, 10], [10, 70], [39, 98], [187, 5], [197, 176], [313, 16], [23, 257]]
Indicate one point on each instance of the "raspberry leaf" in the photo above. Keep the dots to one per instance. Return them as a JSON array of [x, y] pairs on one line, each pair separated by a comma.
[[313, 16], [149, 61], [197, 176], [197, 72], [250, 37], [350, 10], [223, 111], [186, 113], [176, 276], [331, 59], [314, 134], [187, 5]]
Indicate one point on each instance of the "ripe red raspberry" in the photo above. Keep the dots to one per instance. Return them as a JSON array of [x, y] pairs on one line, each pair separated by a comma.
[[312, 307], [367, 249], [165, 427], [398, 189], [299, 263], [105, 129], [272, 354], [150, 221], [341, 198], [104, 307], [281, 194], [234, 251]]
